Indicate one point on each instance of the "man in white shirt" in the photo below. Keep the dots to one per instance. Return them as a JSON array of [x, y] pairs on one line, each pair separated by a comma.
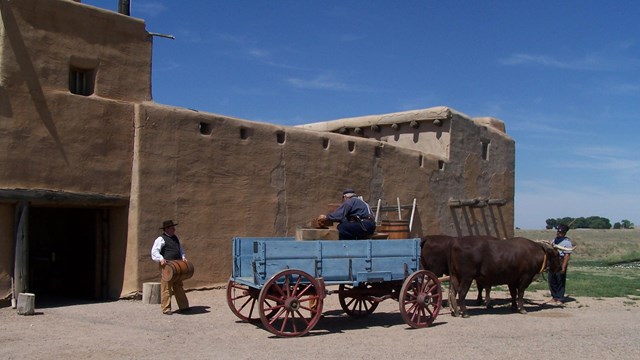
[[167, 247]]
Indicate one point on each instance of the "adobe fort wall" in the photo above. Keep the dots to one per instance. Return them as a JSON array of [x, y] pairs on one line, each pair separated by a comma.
[[133, 163], [222, 177]]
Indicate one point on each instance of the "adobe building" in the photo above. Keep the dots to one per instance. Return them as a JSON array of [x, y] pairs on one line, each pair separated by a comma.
[[91, 165]]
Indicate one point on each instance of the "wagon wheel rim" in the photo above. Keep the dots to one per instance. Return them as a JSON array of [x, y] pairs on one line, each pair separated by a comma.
[[420, 299], [354, 305], [295, 300], [242, 301]]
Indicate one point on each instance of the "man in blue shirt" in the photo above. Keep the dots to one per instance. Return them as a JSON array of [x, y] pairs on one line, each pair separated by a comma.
[[558, 280], [354, 216]]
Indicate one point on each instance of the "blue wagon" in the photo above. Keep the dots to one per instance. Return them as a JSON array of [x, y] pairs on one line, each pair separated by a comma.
[[283, 282]]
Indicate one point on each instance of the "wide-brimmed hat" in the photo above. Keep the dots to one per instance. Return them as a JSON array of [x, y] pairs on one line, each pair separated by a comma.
[[168, 223], [348, 191], [562, 228]]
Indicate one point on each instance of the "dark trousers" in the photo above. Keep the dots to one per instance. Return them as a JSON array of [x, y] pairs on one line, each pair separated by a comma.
[[557, 284], [354, 231]]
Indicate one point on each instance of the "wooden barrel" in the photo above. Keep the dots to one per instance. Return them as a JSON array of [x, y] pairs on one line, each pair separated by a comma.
[[379, 236], [397, 229], [177, 270]]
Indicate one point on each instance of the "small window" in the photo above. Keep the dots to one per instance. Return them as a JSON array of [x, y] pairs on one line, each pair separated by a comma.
[[280, 137], [81, 81], [205, 128], [485, 150], [352, 146], [441, 165]]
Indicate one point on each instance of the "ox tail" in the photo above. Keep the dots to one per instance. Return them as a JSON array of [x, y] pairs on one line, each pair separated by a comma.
[[544, 263], [453, 282]]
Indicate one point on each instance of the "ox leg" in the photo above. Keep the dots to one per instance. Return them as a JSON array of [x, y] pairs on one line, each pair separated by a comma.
[[521, 309], [479, 298], [513, 290], [488, 297], [517, 301], [453, 304], [462, 294]]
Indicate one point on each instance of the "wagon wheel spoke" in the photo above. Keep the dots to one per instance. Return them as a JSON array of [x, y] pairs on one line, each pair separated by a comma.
[[420, 299], [356, 302], [242, 301], [298, 303]]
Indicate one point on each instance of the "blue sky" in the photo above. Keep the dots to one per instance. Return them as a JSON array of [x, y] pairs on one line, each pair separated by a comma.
[[563, 76]]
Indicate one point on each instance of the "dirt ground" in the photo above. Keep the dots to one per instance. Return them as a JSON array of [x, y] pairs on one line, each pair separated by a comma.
[[584, 328]]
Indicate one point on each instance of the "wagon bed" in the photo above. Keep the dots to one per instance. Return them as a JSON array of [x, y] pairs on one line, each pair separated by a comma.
[[282, 282]]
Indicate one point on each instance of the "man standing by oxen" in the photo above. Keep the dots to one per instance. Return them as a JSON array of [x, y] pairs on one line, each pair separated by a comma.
[[558, 279]]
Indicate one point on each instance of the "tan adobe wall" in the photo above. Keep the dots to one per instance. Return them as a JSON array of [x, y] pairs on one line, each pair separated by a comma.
[[217, 176], [50, 138], [459, 142], [424, 130], [43, 39], [473, 177], [218, 185], [68, 142]]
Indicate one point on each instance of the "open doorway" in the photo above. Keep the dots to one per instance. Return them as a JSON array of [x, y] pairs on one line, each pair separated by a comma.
[[65, 260]]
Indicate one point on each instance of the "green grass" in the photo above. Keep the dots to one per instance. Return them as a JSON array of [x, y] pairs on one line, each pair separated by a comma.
[[595, 269], [598, 282]]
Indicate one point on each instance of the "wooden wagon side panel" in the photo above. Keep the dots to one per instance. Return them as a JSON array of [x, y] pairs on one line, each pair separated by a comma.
[[338, 261]]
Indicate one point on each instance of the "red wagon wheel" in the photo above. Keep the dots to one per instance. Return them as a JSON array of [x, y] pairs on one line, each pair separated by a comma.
[[420, 299], [296, 299], [242, 301], [355, 301]]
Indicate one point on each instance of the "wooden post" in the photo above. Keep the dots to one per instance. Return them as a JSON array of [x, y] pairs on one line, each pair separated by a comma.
[[413, 210], [151, 293], [26, 304]]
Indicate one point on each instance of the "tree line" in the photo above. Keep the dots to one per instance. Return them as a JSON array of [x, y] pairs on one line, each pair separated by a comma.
[[591, 222]]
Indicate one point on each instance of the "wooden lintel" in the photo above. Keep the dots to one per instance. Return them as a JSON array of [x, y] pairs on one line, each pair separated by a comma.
[[499, 202], [477, 202], [61, 197]]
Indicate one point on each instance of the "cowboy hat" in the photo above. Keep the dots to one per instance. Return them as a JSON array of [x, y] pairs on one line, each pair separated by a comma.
[[168, 223]]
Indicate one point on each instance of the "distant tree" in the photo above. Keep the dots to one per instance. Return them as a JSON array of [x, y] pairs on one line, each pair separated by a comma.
[[551, 223], [626, 224], [567, 221], [597, 222], [581, 223], [617, 225], [592, 222]]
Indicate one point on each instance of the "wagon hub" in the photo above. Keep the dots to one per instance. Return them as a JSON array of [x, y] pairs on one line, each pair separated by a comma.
[[423, 299], [292, 304]]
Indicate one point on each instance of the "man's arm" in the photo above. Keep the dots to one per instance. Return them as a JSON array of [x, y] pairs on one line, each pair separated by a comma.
[[155, 250], [565, 262]]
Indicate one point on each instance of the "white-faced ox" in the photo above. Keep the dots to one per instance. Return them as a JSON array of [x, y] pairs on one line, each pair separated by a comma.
[[514, 262]]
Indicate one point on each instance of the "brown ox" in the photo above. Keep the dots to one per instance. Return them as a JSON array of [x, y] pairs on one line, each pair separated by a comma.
[[434, 256], [514, 262]]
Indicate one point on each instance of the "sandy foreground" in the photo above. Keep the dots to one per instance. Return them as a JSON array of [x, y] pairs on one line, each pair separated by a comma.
[[584, 328]]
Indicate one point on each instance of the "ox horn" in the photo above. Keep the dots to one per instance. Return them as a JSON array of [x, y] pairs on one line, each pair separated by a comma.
[[564, 248]]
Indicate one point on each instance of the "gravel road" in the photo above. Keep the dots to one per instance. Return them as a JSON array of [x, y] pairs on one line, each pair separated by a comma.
[[585, 328]]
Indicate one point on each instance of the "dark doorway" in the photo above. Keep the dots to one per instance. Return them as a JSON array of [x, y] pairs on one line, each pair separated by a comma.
[[63, 256]]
